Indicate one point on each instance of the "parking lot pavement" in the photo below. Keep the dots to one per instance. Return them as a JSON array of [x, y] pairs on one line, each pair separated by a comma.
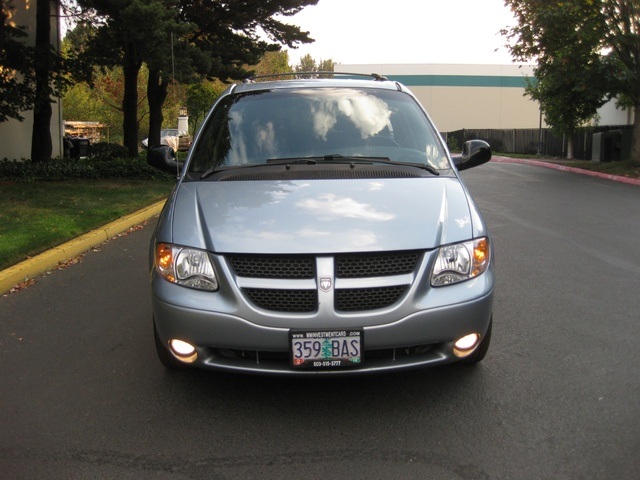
[[562, 166]]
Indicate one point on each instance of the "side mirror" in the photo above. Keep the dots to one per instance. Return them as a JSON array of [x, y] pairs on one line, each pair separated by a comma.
[[163, 158], [474, 153]]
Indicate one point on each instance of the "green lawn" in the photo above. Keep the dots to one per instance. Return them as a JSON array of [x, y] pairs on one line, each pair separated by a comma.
[[40, 215]]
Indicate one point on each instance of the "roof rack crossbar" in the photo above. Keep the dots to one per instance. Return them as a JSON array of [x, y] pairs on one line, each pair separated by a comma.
[[375, 76]]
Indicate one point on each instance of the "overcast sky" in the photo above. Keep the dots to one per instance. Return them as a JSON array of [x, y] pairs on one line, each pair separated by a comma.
[[405, 31]]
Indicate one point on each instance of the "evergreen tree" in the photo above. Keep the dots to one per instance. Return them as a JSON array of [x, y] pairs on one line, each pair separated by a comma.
[[16, 81], [183, 38]]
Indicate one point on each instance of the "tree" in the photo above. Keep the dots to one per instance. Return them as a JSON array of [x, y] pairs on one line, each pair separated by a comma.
[[127, 33], [219, 38], [326, 65], [214, 38], [43, 70], [51, 78], [586, 52], [200, 98], [102, 101], [571, 76], [622, 36], [273, 62], [16, 81], [308, 64], [42, 74]]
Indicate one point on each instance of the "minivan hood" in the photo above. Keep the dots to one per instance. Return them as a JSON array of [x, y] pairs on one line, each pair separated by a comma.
[[321, 216]]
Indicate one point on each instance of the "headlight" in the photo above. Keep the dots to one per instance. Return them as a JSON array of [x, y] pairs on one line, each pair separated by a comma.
[[460, 262], [185, 266]]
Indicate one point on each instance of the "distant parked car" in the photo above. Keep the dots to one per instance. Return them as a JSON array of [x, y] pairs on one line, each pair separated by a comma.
[[320, 227], [168, 137]]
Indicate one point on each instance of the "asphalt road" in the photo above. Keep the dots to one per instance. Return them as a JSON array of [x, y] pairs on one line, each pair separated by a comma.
[[82, 394]]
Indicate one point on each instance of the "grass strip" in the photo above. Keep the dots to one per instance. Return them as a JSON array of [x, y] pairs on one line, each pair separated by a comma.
[[36, 216], [626, 168]]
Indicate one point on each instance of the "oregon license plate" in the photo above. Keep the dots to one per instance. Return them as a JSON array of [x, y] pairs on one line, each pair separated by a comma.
[[326, 349]]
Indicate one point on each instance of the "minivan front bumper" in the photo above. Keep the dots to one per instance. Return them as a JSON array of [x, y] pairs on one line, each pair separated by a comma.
[[224, 340]]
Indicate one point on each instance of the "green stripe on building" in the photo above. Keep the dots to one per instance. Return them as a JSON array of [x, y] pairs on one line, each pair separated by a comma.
[[459, 81]]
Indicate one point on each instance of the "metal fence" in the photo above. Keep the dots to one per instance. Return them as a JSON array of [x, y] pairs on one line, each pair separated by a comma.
[[544, 142]]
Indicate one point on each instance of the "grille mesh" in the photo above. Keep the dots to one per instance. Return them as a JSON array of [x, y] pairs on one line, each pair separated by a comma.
[[375, 264], [274, 266], [298, 301], [360, 299]]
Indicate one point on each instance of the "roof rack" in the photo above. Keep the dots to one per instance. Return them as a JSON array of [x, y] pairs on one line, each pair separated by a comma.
[[375, 76]]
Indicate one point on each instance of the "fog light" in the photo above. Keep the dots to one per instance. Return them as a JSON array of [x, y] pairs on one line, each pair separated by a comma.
[[183, 351], [466, 345]]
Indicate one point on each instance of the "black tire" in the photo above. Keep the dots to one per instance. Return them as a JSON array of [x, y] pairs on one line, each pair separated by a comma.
[[164, 355], [481, 351]]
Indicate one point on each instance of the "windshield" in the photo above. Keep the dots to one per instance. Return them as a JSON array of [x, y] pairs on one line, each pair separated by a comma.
[[255, 127]]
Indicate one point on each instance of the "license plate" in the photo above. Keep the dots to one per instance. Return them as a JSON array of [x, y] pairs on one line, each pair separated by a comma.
[[326, 349]]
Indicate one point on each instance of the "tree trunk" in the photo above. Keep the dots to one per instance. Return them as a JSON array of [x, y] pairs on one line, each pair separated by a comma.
[[635, 142], [156, 95], [41, 144], [131, 69], [570, 145]]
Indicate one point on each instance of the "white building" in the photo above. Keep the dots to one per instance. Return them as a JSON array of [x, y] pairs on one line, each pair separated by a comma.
[[15, 136], [475, 96]]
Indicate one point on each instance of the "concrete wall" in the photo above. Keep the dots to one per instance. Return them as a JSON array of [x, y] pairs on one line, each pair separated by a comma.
[[610, 114], [15, 137], [475, 96]]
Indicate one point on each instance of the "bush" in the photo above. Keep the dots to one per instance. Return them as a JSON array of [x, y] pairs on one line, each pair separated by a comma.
[[98, 168], [452, 144], [496, 144], [109, 150]]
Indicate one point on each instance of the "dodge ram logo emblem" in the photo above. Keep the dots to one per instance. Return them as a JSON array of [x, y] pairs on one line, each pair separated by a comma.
[[325, 284]]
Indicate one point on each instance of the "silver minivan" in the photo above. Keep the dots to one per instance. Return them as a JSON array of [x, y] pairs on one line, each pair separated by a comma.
[[319, 226]]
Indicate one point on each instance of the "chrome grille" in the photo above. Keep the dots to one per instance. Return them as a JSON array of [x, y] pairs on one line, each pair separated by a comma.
[[293, 293]]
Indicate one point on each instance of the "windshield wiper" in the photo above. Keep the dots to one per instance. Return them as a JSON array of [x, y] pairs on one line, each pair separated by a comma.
[[337, 158], [221, 168], [332, 158], [423, 166], [272, 161]]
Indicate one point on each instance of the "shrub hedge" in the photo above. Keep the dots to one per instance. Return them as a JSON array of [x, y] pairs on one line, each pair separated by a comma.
[[112, 150], [96, 167]]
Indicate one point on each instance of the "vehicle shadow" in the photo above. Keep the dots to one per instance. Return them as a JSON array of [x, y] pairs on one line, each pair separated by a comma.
[[436, 386]]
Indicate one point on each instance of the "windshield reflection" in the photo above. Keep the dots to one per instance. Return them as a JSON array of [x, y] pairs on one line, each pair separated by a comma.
[[254, 127], [369, 114]]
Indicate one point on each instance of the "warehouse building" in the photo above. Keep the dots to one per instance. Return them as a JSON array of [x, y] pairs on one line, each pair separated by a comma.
[[475, 96], [15, 136]]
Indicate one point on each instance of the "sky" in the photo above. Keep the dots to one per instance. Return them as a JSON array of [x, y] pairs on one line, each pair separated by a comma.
[[404, 31]]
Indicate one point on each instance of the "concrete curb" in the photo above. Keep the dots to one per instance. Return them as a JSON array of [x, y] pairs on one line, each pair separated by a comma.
[[45, 261], [564, 168]]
